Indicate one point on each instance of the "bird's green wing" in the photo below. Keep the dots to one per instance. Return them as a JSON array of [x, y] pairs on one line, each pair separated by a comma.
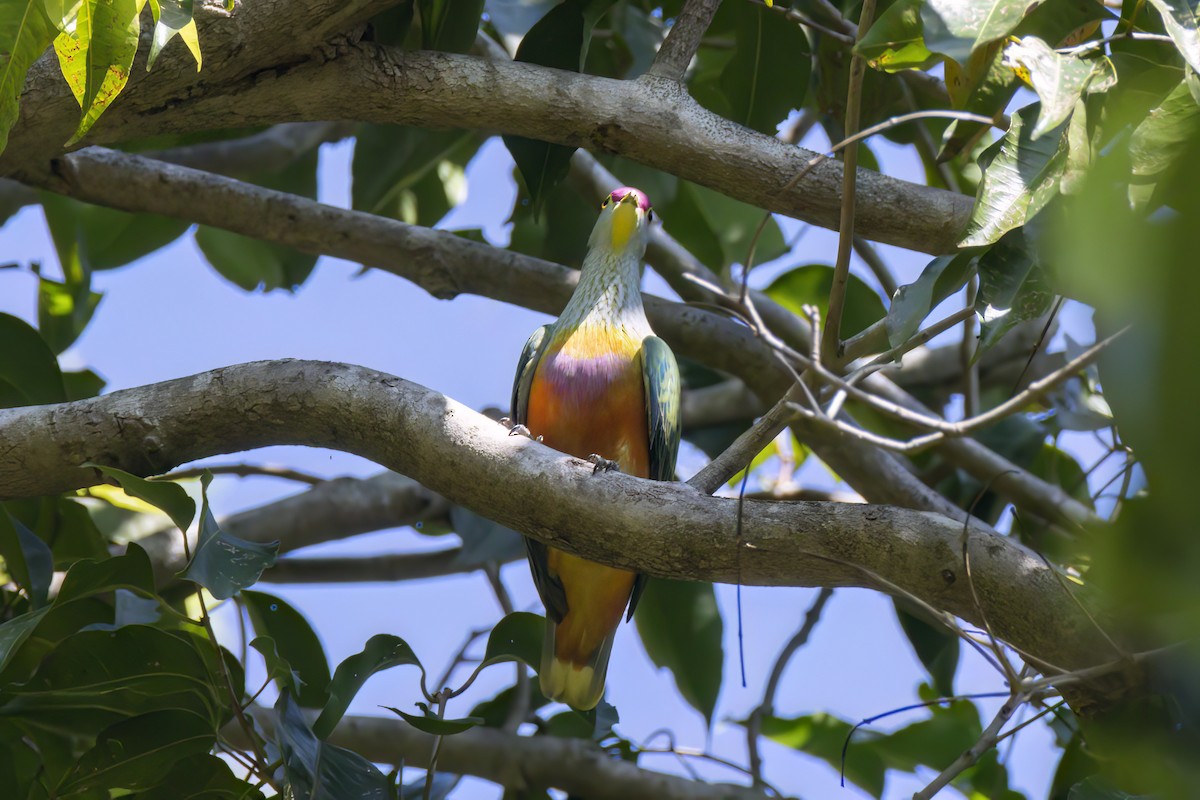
[[660, 376], [549, 587], [526, 366]]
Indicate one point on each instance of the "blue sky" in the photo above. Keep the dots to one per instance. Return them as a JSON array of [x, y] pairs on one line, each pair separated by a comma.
[[171, 315]]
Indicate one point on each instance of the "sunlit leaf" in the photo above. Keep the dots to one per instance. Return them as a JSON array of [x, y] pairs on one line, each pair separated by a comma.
[[1013, 288], [1020, 176], [1179, 18], [681, 629], [25, 32], [410, 174], [295, 641], [97, 55], [382, 651], [165, 495], [895, 41], [173, 18], [1059, 80], [956, 28], [1160, 140]]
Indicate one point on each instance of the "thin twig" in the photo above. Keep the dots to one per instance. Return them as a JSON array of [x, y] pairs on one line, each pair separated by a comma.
[[806, 21], [243, 471], [970, 366], [831, 341]]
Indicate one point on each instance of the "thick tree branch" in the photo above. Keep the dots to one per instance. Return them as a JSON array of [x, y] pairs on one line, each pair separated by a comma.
[[662, 529], [651, 121], [446, 265], [575, 766]]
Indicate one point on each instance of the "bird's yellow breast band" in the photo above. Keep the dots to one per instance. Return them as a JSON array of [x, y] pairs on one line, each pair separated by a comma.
[[624, 223]]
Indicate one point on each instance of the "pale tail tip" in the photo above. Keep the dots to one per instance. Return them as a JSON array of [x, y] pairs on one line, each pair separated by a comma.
[[578, 687]]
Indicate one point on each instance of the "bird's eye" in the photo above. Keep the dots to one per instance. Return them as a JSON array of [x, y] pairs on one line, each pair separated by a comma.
[[607, 200], [650, 214]]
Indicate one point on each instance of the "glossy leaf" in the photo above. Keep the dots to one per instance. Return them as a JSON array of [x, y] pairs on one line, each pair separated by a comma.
[[1179, 18], [956, 28], [1020, 176], [942, 277], [984, 85], [1013, 287], [810, 285], [295, 641], [681, 629], [560, 40], [29, 373], [25, 32], [438, 726], [769, 72], [97, 55], [225, 564], [255, 264], [1059, 80], [26, 558], [1159, 141], [165, 495], [382, 651], [278, 668], [136, 753], [63, 312], [935, 645], [316, 769], [895, 41], [173, 18], [517, 637]]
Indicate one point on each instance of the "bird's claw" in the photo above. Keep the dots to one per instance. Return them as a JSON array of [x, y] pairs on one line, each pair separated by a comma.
[[517, 429], [602, 464]]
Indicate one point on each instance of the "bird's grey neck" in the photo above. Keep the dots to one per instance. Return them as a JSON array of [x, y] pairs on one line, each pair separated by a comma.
[[608, 292]]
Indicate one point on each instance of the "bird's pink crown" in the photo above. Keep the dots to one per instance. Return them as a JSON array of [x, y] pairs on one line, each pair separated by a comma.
[[642, 200]]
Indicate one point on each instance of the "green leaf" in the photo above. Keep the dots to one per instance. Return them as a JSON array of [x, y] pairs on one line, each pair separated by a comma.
[[1013, 287], [29, 373], [252, 263], [223, 563], [72, 533], [1098, 788], [1159, 141], [934, 644], [895, 41], [681, 629], [560, 40], [984, 85], [136, 753], [278, 668], [168, 496], [494, 712], [957, 28], [97, 55], [15, 632], [316, 769], [1059, 80], [437, 725], [517, 637], [88, 577], [810, 285], [201, 777], [1179, 18], [410, 174], [942, 277], [449, 25], [63, 312], [1020, 175], [25, 33], [718, 229], [99, 238], [769, 72], [82, 384], [560, 232], [27, 559], [295, 641], [382, 651], [173, 18]]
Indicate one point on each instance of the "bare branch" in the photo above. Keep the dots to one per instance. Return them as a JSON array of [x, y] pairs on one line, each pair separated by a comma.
[[384, 568], [683, 39], [662, 529], [576, 766]]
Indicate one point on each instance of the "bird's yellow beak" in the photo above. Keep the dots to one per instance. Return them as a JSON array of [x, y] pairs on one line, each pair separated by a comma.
[[624, 221]]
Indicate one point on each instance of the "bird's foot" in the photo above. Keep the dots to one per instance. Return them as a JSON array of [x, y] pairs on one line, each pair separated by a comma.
[[603, 464], [515, 429]]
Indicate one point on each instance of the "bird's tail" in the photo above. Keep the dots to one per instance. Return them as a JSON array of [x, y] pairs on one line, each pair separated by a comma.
[[574, 678]]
